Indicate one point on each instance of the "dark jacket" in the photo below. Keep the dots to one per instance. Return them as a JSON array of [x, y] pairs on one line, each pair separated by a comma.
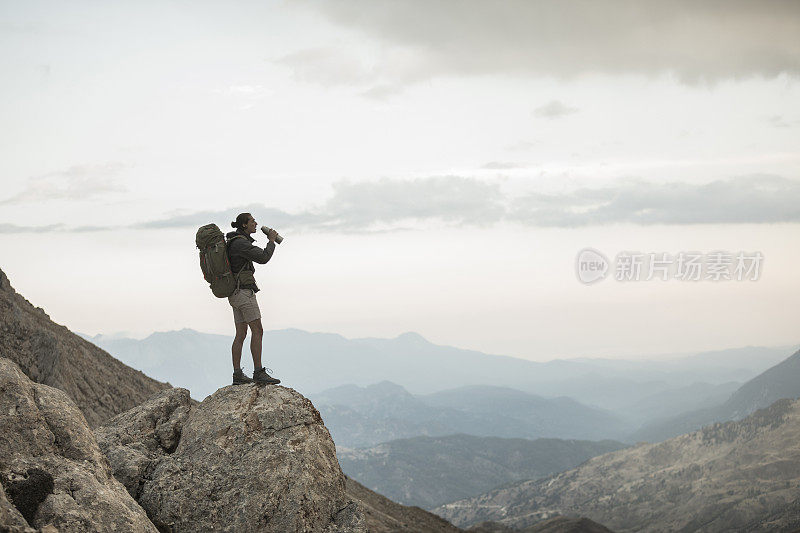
[[242, 253]]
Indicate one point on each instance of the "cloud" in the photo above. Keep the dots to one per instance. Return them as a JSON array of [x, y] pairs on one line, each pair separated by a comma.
[[453, 199], [75, 183], [14, 228], [697, 41], [327, 66], [247, 90], [554, 109], [521, 146], [382, 92], [460, 201], [778, 121], [370, 206], [744, 199], [391, 204], [502, 165], [376, 78], [263, 214]]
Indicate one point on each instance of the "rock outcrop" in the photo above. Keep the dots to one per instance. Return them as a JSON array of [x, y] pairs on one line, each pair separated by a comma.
[[733, 476], [52, 355], [52, 471], [247, 458]]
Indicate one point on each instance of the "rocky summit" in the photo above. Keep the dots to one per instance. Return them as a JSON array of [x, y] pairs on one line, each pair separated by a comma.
[[247, 458]]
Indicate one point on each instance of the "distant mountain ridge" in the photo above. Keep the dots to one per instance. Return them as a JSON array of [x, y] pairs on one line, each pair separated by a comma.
[[780, 381], [313, 362], [430, 471], [365, 416]]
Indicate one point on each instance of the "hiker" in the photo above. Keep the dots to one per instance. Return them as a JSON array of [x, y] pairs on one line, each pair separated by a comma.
[[241, 254]]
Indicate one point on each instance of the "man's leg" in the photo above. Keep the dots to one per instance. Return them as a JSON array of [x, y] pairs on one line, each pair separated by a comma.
[[256, 334], [238, 342], [260, 375]]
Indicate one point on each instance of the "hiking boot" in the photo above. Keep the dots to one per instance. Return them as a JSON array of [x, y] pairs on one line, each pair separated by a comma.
[[239, 378], [261, 377]]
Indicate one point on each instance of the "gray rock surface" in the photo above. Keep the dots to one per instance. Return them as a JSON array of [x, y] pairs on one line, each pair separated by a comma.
[[247, 458], [51, 354], [133, 440], [52, 471]]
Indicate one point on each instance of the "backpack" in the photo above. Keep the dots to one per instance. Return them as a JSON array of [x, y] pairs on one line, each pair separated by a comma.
[[214, 260]]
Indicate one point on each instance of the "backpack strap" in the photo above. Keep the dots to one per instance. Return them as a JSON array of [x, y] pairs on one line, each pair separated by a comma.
[[246, 262]]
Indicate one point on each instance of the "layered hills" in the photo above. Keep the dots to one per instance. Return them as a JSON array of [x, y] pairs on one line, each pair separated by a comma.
[[366, 416], [430, 471], [734, 476], [777, 382]]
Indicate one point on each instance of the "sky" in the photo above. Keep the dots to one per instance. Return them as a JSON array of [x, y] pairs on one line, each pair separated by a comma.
[[434, 167]]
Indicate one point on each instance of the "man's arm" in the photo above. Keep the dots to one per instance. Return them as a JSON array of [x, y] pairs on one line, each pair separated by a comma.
[[254, 253]]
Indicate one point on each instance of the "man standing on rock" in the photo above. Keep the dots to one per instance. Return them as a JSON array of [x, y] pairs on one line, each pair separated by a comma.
[[241, 254]]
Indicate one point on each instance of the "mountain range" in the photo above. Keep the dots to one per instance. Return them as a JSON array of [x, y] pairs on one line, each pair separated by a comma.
[[780, 381], [637, 390], [365, 416]]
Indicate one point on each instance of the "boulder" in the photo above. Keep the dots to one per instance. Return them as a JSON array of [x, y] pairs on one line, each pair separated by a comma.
[[247, 458], [52, 471]]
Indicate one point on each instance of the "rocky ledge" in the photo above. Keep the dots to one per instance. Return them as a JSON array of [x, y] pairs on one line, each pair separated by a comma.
[[247, 458]]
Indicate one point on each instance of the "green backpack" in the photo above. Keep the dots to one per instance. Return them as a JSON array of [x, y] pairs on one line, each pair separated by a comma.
[[214, 260]]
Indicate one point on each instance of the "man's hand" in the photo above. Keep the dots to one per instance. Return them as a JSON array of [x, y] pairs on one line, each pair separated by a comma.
[[271, 234]]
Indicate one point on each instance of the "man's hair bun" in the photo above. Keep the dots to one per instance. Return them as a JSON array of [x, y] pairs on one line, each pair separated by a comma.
[[241, 220]]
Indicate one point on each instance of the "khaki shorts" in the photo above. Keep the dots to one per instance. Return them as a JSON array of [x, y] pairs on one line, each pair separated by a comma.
[[245, 306]]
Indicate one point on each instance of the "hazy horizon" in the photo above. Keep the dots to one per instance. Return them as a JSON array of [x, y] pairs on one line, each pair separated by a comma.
[[654, 357]]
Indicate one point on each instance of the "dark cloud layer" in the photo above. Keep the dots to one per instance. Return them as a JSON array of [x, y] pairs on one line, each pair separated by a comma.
[[696, 40], [455, 201]]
